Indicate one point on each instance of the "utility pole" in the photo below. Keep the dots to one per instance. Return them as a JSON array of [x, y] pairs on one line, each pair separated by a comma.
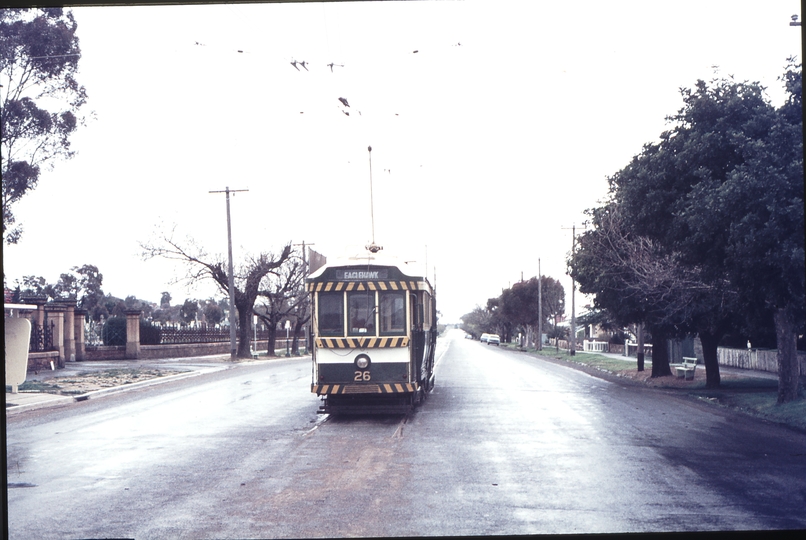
[[231, 284], [304, 260], [539, 308], [573, 294], [305, 269]]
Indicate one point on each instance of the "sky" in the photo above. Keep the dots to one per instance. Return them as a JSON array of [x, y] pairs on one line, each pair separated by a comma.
[[493, 127]]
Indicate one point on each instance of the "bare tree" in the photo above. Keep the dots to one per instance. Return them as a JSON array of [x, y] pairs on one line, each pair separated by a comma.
[[280, 295], [201, 265], [638, 281]]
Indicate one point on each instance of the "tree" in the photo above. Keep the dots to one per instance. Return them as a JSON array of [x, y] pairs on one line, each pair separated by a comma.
[[202, 266], [31, 286], [518, 305], [165, 300], [553, 301], [189, 310], [498, 319], [718, 203], [759, 202], [213, 314], [39, 56], [477, 322], [281, 294], [636, 281]]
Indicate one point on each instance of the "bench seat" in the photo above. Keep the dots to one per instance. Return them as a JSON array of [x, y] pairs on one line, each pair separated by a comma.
[[686, 369]]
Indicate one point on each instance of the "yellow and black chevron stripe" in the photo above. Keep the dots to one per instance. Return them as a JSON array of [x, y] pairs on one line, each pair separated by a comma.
[[382, 388], [362, 342], [338, 286]]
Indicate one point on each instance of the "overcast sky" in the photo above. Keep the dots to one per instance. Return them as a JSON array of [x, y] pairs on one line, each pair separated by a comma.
[[493, 126]]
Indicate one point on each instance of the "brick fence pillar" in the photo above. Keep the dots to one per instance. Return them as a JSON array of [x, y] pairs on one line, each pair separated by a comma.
[[38, 316], [69, 329], [78, 332], [56, 314], [133, 334]]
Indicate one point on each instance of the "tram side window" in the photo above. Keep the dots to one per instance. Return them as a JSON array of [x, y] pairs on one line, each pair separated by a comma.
[[331, 314], [393, 313], [361, 314]]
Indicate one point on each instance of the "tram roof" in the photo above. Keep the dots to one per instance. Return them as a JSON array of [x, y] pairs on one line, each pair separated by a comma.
[[363, 261]]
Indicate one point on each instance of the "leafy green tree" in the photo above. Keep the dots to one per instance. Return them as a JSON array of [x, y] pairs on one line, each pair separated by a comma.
[[132, 302], [519, 304], [39, 56], [553, 301], [717, 207], [189, 310], [756, 212], [32, 286], [477, 322], [500, 322], [165, 300], [212, 311]]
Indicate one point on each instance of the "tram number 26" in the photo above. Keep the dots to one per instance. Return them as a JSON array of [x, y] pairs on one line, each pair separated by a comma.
[[362, 376]]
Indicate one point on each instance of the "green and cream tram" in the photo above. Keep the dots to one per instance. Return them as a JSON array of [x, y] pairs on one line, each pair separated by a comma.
[[374, 333]]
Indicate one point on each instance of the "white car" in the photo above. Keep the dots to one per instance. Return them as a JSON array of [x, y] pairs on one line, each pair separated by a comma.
[[484, 338], [493, 339]]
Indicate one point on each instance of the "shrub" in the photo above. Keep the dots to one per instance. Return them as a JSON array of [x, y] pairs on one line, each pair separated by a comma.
[[114, 331]]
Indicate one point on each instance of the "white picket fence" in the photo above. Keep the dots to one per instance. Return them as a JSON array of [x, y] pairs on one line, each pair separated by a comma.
[[760, 359]]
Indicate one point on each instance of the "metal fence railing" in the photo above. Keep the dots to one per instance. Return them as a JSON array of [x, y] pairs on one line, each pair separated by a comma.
[[41, 337]]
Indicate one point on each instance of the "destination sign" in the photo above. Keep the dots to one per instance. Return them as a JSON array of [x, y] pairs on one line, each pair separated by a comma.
[[361, 275]]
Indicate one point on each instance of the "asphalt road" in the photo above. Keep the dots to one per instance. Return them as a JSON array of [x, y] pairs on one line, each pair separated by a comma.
[[505, 444]]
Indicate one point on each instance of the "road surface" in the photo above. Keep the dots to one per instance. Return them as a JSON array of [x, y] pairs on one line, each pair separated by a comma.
[[505, 444]]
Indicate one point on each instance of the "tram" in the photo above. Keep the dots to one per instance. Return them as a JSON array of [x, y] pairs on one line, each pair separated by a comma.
[[374, 332]]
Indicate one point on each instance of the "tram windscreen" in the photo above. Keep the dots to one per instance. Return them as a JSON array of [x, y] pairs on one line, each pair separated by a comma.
[[393, 313], [331, 314], [361, 321]]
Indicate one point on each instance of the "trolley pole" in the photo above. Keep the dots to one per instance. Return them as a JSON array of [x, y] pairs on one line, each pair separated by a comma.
[[231, 276]]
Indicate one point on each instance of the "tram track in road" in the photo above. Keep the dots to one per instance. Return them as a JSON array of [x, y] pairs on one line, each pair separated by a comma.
[[319, 421]]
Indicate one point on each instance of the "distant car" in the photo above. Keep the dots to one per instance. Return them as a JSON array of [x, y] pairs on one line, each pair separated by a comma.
[[484, 338], [493, 339]]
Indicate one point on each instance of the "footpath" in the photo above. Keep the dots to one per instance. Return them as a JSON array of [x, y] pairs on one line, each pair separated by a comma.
[[80, 381]]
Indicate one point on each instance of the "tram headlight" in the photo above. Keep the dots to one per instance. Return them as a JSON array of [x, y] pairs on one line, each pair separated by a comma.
[[362, 361]]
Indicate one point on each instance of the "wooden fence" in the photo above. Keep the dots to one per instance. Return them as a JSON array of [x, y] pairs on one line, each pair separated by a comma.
[[760, 359]]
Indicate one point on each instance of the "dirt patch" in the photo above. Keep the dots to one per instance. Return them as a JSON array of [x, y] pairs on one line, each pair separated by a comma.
[[89, 382], [670, 381]]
